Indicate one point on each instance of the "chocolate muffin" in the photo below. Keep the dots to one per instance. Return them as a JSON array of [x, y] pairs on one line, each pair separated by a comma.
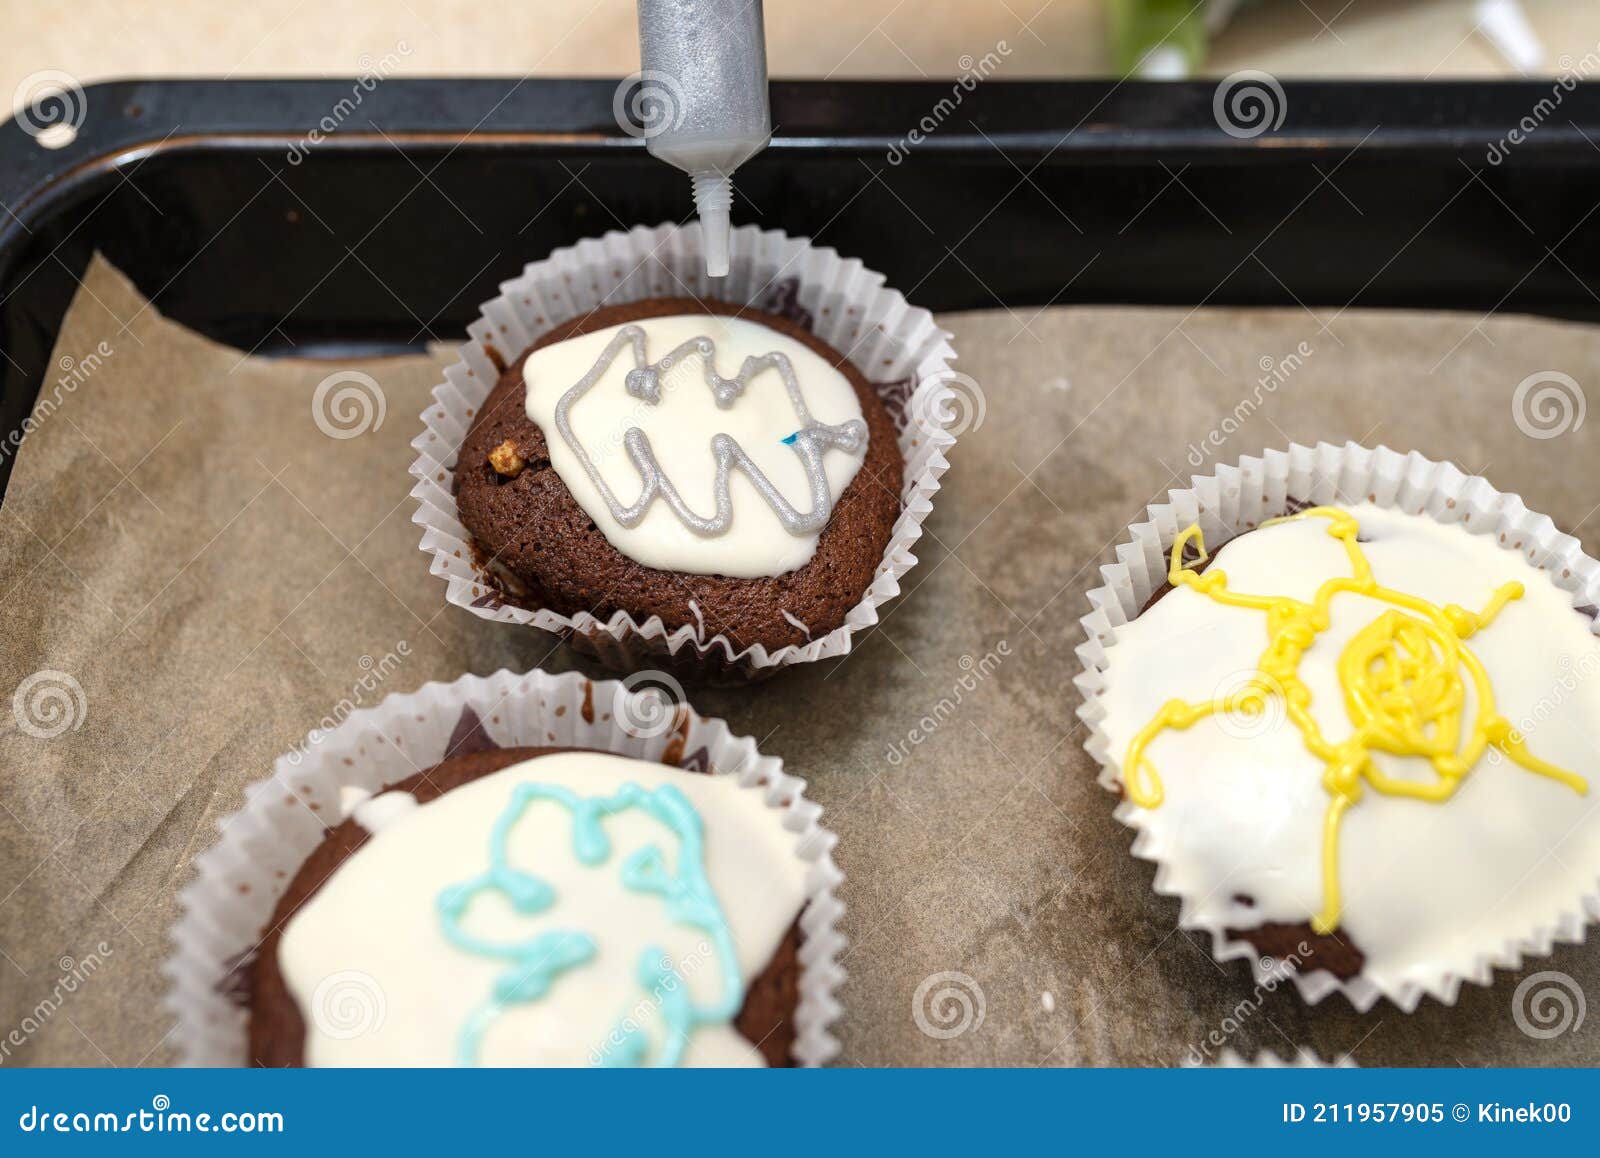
[[278, 1029], [546, 536], [1337, 736]]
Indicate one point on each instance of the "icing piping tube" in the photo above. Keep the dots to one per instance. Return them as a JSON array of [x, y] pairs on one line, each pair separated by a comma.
[[704, 64]]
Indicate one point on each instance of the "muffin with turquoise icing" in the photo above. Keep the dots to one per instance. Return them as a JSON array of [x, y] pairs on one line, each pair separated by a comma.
[[1348, 701], [539, 907]]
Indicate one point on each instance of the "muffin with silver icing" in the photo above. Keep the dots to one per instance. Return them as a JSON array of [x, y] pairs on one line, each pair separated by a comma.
[[718, 468], [1358, 741]]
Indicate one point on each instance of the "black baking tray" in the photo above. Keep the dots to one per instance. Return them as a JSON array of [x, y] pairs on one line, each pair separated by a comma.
[[426, 194]]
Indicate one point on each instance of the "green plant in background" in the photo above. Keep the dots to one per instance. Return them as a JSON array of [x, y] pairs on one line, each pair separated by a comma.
[[1163, 37], [1168, 39]]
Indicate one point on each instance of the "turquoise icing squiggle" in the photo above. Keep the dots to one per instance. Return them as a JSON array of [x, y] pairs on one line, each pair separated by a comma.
[[537, 963]]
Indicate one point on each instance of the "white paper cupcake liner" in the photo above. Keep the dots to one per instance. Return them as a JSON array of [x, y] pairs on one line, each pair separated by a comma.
[[238, 882], [1267, 1059], [1238, 498], [898, 347]]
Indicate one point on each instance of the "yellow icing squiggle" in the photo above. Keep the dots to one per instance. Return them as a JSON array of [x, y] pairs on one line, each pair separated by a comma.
[[1404, 681]]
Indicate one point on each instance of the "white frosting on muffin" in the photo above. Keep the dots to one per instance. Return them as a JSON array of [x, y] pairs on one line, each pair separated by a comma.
[[1428, 888], [680, 425], [380, 984]]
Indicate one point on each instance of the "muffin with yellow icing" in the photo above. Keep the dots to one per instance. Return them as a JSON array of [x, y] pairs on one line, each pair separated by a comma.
[[1355, 720]]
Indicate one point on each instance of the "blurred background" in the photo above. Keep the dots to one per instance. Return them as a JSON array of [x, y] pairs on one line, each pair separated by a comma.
[[102, 39]]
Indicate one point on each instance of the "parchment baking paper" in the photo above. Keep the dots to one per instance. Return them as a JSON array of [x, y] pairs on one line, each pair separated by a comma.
[[194, 574]]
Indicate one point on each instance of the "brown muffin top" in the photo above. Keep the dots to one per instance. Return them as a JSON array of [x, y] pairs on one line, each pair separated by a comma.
[[530, 525]]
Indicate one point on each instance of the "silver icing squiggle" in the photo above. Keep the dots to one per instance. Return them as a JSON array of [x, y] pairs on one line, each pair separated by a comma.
[[644, 382]]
